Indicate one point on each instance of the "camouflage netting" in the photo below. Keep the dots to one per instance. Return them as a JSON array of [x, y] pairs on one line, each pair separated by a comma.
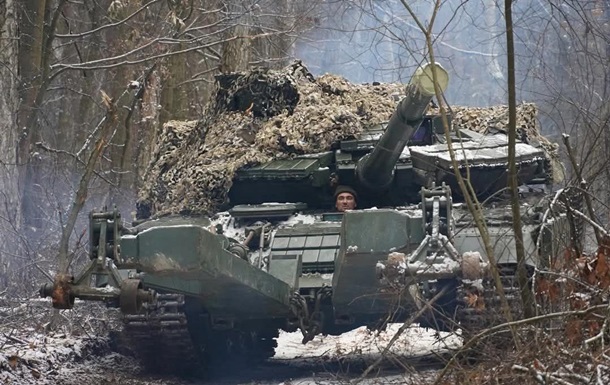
[[263, 115]]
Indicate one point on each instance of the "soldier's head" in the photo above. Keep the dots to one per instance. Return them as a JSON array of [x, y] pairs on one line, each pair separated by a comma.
[[346, 198]]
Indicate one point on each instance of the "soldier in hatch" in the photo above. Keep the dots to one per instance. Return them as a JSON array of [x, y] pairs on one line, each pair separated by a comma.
[[346, 198]]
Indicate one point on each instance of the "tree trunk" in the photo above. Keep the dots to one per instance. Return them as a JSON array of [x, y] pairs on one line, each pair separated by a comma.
[[32, 19], [10, 213], [37, 23], [513, 183], [236, 48], [606, 109], [494, 70], [147, 130]]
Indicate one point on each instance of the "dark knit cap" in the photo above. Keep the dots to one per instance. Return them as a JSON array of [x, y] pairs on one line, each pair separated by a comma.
[[346, 189]]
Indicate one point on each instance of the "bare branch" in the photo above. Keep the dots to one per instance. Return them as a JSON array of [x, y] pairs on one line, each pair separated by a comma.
[[527, 321], [106, 26], [426, 307]]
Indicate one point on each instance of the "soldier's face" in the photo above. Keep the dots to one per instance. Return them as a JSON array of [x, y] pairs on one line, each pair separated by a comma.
[[345, 201]]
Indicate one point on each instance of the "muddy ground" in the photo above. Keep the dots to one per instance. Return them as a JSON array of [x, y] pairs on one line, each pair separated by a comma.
[[29, 355]]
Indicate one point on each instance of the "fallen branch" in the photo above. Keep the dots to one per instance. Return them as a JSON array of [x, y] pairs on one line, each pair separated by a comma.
[[15, 339], [561, 378]]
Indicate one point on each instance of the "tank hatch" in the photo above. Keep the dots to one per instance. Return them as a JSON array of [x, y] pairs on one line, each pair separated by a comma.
[[267, 210]]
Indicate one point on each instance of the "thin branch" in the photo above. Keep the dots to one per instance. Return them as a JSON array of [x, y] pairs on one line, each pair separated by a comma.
[[106, 26], [513, 324], [583, 185], [92, 65], [46, 148], [405, 326]]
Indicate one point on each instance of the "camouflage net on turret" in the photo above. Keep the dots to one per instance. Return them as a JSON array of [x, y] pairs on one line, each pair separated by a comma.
[[262, 115]]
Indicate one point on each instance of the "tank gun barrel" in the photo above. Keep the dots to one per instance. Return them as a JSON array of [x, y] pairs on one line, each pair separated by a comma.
[[376, 170]]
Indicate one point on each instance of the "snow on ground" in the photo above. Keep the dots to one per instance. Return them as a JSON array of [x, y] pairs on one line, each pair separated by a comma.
[[363, 342], [335, 360], [28, 357]]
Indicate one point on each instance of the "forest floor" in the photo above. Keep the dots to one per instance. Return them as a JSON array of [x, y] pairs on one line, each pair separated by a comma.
[[574, 351], [30, 355]]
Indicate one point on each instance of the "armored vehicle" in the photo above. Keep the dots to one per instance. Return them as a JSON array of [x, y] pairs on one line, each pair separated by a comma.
[[282, 259]]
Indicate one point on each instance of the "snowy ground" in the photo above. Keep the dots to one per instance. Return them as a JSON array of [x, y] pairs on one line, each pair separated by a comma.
[[364, 343], [30, 356]]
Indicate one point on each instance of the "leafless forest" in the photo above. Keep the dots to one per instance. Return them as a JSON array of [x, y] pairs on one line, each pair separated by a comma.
[[86, 86]]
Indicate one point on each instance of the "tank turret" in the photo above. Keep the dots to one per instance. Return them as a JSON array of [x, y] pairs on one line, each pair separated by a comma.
[[375, 170]]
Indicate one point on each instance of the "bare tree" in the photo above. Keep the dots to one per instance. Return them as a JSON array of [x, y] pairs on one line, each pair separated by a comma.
[[10, 213], [158, 59], [527, 297]]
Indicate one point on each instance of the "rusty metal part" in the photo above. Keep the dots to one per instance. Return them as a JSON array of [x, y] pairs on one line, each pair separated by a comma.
[[129, 297], [61, 292], [100, 280], [391, 271], [65, 290], [239, 250]]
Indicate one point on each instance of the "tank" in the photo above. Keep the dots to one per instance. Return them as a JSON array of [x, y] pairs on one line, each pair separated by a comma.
[[198, 289]]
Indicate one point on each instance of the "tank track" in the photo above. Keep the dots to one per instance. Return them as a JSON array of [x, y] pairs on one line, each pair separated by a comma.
[[241, 346], [171, 337], [479, 306], [160, 336]]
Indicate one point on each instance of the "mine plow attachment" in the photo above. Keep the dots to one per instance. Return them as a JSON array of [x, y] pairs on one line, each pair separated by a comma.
[[100, 279], [436, 258], [126, 294], [184, 256], [435, 269]]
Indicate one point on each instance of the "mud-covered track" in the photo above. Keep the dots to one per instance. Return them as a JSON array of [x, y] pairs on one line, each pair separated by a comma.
[[160, 336]]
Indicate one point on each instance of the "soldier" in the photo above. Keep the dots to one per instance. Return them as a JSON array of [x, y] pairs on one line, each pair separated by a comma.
[[346, 198]]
